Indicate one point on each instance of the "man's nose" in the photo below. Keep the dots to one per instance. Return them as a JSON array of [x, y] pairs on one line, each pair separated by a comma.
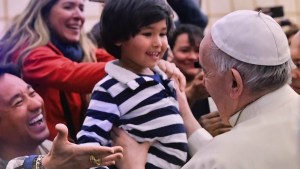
[[34, 103]]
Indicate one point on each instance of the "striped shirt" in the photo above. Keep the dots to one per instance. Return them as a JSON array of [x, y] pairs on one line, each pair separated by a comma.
[[145, 108]]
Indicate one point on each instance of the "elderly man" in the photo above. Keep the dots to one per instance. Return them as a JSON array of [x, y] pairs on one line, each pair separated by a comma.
[[247, 65], [295, 53], [23, 131]]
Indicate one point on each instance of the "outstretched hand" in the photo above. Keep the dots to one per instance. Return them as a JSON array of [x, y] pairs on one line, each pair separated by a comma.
[[66, 155]]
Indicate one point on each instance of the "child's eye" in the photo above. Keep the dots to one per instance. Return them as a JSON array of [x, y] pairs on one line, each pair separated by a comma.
[[147, 34], [185, 50], [163, 34]]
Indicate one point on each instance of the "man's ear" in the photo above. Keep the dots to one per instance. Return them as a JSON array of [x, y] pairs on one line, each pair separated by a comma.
[[237, 85]]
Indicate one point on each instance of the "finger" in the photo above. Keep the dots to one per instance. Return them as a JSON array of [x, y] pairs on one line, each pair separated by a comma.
[[62, 132], [102, 163], [106, 159], [112, 157], [180, 78], [225, 125], [117, 149], [223, 130], [199, 76], [120, 133], [161, 64], [88, 149], [211, 115], [108, 163], [116, 137], [115, 132], [121, 138], [211, 121], [147, 144], [170, 69]]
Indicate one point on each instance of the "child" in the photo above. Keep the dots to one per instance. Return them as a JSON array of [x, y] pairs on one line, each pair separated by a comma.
[[136, 95]]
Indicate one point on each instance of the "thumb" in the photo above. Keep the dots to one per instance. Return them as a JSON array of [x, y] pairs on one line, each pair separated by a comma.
[[62, 133], [199, 76], [147, 144]]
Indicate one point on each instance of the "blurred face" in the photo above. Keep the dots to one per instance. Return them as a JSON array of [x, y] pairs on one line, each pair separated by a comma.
[[144, 50], [185, 55], [22, 120], [295, 53], [66, 18], [216, 84]]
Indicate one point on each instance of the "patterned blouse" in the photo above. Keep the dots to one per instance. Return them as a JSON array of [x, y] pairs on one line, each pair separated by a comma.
[[18, 163]]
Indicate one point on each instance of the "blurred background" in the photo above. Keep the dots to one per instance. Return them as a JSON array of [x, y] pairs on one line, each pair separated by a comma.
[[213, 8]]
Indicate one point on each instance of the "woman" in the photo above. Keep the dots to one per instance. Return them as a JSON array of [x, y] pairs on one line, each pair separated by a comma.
[[48, 43], [184, 42]]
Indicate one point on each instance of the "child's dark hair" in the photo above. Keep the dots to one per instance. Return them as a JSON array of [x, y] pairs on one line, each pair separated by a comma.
[[122, 19], [195, 34]]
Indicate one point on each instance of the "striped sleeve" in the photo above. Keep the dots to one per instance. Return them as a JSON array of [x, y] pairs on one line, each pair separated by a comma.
[[102, 114]]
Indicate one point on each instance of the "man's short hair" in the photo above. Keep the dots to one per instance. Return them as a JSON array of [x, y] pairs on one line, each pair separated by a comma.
[[10, 69]]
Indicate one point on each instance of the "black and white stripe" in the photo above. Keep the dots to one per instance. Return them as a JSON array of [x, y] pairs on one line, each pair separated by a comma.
[[143, 107]]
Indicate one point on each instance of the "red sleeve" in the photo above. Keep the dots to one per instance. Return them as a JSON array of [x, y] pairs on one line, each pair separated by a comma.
[[103, 56], [47, 67]]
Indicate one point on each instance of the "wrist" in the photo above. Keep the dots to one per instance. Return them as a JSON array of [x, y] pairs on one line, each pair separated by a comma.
[[39, 162], [46, 162], [190, 95]]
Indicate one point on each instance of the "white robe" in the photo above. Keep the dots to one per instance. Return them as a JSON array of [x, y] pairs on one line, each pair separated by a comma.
[[266, 136]]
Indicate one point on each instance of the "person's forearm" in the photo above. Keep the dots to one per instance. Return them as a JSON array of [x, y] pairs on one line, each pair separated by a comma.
[[190, 123], [190, 96]]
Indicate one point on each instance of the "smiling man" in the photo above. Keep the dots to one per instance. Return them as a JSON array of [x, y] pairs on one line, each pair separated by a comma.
[[23, 129], [23, 132], [295, 53]]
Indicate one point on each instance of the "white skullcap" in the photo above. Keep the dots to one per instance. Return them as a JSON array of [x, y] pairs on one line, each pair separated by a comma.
[[251, 37]]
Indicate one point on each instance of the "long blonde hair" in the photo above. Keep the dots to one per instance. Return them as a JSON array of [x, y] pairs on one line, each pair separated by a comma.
[[29, 30]]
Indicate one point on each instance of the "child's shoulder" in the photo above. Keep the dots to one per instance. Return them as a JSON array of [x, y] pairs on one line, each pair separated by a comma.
[[106, 82]]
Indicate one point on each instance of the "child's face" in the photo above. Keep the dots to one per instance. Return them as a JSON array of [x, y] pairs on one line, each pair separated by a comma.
[[144, 50]]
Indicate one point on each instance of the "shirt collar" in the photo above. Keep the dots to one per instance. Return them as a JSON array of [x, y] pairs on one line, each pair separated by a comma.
[[127, 77], [263, 105]]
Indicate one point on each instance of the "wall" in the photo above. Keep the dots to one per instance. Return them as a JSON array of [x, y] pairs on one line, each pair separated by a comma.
[[214, 8], [218, 8]]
